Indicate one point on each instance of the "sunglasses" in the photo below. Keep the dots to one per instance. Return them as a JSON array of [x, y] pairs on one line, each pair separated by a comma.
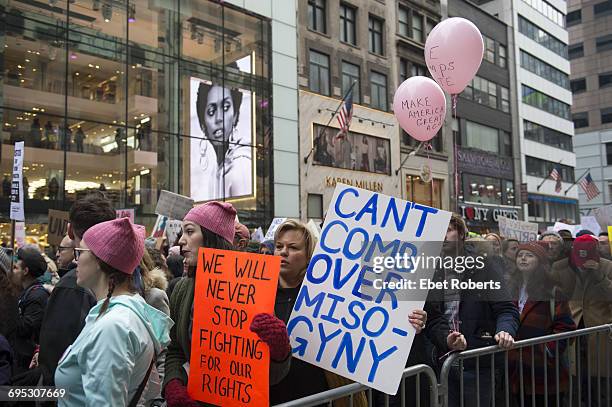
[[78, 251]]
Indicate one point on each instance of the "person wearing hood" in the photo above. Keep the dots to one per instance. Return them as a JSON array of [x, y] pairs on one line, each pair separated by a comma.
[[113, 357], [211, 225], [544, 311], [266, 247], [27, 268]]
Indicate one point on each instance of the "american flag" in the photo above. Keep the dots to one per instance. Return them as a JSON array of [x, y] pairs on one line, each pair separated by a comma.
[[346, 114], [589, 187], [556, 175]]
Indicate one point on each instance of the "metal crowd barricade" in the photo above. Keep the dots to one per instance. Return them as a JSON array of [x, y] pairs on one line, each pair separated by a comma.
[[581, 391], [347, 395]]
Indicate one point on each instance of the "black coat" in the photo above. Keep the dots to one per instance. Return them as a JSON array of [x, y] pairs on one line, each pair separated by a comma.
[[31, 304], [68, 306], [483, 313]]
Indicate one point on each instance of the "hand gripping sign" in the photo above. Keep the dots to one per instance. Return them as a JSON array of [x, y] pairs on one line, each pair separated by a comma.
[[337, 322], [229, 363]]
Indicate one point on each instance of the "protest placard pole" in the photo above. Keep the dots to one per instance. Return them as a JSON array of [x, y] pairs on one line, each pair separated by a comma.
[[12, 242], [577, 179], [330, 120]]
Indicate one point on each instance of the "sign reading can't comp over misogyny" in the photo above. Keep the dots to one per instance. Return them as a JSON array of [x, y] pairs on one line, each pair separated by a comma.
[[337, 322]]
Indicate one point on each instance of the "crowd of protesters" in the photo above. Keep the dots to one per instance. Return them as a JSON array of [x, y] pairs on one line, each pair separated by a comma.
[[111, 318]]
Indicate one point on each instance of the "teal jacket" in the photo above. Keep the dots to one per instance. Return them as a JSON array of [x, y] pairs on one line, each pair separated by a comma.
[[109, 359]]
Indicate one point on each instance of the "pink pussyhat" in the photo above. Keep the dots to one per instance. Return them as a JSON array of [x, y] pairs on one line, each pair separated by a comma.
[[217, 217], [118, 243]]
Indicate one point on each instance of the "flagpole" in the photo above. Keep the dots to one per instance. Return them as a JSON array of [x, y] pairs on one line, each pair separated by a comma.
[[330, 119], [547, 177], [578, 179]]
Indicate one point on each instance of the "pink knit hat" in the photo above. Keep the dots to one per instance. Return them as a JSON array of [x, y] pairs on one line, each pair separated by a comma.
[[217, 217], [118, 243]]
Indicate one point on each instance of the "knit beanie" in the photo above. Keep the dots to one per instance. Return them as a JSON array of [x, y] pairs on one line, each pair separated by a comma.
[[539, 249], [585, 248], [551, 233], [216, 217], [241, 231], [118, 243]]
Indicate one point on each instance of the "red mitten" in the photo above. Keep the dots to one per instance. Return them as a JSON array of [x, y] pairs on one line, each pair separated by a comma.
[[176, 395], [272, 331]]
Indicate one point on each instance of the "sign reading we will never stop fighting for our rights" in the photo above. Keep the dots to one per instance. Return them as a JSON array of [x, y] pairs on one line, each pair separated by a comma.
[[229, 364], [339, 322]]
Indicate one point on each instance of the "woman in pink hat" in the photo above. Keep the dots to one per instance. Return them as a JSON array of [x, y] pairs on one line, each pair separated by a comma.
[[112, 360], [210, 225]]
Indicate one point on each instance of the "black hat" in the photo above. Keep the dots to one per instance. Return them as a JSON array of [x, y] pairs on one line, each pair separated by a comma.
[[33, 260]]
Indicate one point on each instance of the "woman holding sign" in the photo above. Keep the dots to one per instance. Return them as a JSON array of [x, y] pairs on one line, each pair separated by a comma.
[[212, 226]]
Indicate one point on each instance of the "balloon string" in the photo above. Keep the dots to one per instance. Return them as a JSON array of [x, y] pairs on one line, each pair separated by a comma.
[[429, 148], [454, 104]]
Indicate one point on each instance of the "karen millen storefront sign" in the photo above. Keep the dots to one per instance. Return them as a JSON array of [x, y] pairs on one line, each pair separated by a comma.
[[373, 186]]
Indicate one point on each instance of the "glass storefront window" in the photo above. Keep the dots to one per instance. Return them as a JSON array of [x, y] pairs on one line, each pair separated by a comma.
[[425, 193], [108, 104]]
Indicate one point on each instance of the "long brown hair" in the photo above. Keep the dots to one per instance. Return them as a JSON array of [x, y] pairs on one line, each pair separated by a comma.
[[539, 286], [115, 278]]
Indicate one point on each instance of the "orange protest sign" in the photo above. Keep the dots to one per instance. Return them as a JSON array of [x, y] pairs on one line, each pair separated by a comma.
[[228, 361]]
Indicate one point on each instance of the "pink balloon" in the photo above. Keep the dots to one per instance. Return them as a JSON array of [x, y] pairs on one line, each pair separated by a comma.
[[420, 107], [453, 52]]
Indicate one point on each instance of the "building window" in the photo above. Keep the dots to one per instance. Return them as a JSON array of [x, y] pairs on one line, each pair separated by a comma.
[[604, 43], [418, 70], [606, 115], [548, 11], [417, 27], [403, 19], [485, 92], [315, 206], [316, 15], [540, 36], [403, 70], [319, 72], [542, 168], [489, 53], [429, 25], [507, 140], [605, 79], [378, 84], [578, 85], [573, 18], [609, 154], [375, 27], [505, 99], [422, 193], [481, 137], [545, 135], [580, 120], [502, 58], [350, 74], [348, 24], [547, 103], [602, 9], [482, 189], [544, 70], [575, 51]]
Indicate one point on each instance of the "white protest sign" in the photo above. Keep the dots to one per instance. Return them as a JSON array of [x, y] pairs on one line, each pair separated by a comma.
[[314, 228], [126, 213], [20, 234], [276, 222], [173, 206], [173, 227], [258, 235], [516, 229], [590, 223], [564, 226], [17, 212], [603, 215], [335, 324]]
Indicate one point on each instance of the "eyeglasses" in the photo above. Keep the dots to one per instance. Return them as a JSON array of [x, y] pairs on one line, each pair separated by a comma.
[[77, 252], [60, 248]]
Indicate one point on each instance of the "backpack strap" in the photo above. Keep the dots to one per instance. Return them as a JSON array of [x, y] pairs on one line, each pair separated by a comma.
[[142, 386]]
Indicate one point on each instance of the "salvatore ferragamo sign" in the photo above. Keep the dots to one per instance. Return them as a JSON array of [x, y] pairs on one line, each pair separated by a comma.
[[481, 162]]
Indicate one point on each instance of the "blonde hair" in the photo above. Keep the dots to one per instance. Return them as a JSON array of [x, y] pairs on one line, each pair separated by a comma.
[[309, 239]]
